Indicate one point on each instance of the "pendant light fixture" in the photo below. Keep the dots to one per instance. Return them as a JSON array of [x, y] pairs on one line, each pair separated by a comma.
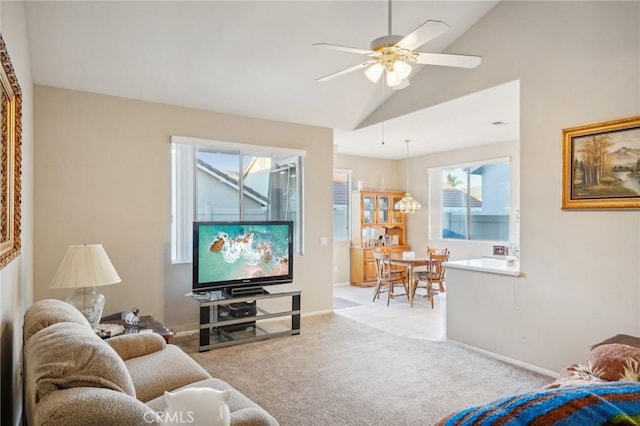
[[407, 204]]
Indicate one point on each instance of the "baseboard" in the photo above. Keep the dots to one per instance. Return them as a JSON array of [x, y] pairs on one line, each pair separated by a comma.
[[185, 333], [314, 313], [506, 359]]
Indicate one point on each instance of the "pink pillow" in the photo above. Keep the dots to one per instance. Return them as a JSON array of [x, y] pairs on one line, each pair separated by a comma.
[[615, 361]]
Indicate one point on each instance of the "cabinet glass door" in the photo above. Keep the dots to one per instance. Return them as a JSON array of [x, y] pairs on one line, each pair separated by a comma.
[[368, 205], [396, 215], [383, 209]]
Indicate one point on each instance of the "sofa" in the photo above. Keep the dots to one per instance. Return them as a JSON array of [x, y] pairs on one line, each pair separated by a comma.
[[73, 377], [603, 390]]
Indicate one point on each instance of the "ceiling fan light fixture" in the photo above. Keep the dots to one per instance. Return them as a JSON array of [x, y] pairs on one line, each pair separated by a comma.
[[393, 79], [402, 69], [374, 72], [398, 74]]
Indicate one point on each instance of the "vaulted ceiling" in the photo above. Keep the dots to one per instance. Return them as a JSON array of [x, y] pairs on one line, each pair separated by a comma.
[[250, 58]]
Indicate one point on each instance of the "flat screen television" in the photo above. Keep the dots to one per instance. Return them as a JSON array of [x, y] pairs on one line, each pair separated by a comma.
[[242, 257]]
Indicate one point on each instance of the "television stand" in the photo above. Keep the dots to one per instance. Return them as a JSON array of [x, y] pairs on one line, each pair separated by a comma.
[[227, 319], [240, 291]]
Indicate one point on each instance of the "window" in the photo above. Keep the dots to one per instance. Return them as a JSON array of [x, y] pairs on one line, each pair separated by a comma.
[[473, 201], [229, 182], [341, 204]]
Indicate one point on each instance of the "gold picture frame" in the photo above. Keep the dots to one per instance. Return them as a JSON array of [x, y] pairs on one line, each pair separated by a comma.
[[10, 159], [601, 165]]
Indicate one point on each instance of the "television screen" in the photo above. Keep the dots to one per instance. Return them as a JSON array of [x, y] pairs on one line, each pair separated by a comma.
[[228, 255]]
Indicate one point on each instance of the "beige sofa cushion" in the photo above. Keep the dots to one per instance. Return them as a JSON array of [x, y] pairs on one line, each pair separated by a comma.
[[172, 369], [67, 355], [134, 345], [50, 311]]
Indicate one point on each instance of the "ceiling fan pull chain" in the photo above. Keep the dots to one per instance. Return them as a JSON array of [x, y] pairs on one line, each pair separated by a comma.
[[383, 102]]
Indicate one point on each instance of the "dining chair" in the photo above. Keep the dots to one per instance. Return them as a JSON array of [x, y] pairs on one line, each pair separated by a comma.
[[435, 275], [421, 271], [436, 250], [388, 278]]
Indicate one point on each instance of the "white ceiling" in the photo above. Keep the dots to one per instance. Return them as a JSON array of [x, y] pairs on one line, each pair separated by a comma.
[[255, 58]]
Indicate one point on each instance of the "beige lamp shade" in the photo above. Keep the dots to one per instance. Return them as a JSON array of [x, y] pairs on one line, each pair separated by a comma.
[[85, 266]]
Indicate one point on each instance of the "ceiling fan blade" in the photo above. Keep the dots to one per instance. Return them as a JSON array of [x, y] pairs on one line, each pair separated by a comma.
[[346, 71], [344, 48], [425, 32], [462, 61]]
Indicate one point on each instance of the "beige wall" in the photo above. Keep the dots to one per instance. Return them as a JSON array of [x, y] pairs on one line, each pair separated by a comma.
[[16, 278], [374, 173], [103, 176]]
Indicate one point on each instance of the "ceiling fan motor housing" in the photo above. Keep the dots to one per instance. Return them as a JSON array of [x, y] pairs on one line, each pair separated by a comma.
[[385, 41], [388, 53]]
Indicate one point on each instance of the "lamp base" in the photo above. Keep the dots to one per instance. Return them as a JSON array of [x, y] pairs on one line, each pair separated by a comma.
[[90, 302]]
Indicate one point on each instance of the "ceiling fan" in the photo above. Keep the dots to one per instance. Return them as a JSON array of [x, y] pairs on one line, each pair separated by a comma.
[[393, 55]]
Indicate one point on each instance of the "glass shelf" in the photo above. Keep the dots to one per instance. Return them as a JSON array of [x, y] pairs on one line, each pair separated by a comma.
[[230, 320]]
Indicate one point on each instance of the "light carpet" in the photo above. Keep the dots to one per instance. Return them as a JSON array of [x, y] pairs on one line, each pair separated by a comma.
[[340, 372]]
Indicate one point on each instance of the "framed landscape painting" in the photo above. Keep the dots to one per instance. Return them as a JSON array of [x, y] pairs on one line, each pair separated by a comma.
[[601, 165]]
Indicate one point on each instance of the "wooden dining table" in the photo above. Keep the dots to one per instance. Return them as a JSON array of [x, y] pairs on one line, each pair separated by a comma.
[[410, 264]]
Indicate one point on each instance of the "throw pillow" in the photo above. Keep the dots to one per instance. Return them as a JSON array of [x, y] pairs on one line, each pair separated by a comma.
[[615, 361], [198, 407], [68, 355]]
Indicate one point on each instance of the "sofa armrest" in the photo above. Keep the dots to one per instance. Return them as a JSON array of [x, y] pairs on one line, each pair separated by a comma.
[[82, 406], [134, 345]]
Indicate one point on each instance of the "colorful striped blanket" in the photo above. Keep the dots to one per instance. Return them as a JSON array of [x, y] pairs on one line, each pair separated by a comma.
[[610, 403]]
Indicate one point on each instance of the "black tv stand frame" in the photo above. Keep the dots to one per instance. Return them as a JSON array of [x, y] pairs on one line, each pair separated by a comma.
[[218, 330]]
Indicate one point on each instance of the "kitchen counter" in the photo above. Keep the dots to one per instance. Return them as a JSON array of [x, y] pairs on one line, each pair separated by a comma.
[[490, 265]]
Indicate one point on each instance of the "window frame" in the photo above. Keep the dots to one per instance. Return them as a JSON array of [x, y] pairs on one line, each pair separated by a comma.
[[349, 176], [436, 210], [184, 201]]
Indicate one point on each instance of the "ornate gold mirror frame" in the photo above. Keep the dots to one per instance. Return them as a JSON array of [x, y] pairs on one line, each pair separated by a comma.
[[10, 159]]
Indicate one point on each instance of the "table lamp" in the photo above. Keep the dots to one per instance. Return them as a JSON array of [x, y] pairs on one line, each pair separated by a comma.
[[83, 268]]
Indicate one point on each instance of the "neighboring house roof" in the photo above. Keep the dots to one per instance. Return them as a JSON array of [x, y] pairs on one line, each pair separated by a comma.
[[231, 181], [452, 197]]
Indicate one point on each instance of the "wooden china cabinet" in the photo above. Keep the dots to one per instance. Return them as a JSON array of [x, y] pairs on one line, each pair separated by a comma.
[[375, 223]]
